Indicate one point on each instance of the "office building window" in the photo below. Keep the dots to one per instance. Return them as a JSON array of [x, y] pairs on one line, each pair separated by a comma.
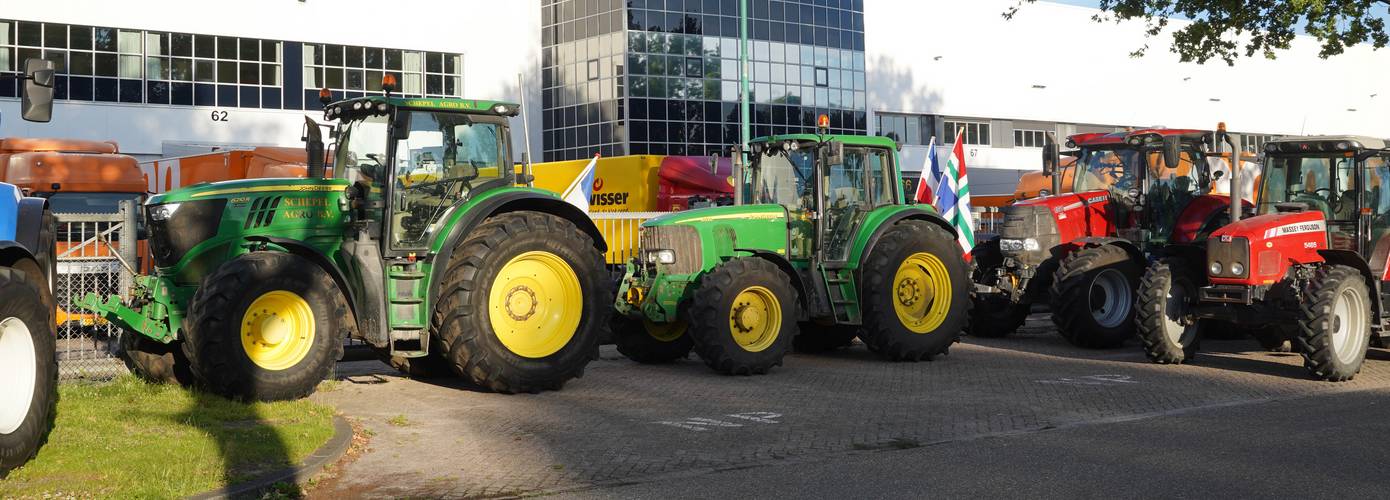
[[353, 69], [1254, 143], [910, 130], [976, 133], [1028, 138]]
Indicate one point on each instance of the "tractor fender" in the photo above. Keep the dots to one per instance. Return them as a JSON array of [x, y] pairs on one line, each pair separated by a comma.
[[12, 253], [513, 201], [29, 224], [1129, 247], [786, 267], [1352, 259], [302, 249], [908, 213]]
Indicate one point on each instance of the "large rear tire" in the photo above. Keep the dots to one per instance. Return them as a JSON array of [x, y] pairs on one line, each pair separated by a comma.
[[650, 343], [915, 292], [743, 316], [524, 303], [266, 326], [155, 362], [1093, 297], [1164, 317], [1335, 323], [28, 367]]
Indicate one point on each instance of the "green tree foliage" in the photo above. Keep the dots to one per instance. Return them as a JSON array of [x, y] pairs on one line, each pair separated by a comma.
[[1230, 29]]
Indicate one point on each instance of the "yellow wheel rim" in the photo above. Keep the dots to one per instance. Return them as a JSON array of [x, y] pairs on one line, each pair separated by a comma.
[[535, 304], [755, 318], [665, 332], [921, 292], [277, 330]]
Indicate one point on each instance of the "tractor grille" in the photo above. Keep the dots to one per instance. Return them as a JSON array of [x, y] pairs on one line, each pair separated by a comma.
[[684, 240], [1228, 252], [193, 223], [1030, 221]]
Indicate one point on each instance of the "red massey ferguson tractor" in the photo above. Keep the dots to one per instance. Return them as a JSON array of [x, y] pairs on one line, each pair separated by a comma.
[[1311, 266], [1135, 195]]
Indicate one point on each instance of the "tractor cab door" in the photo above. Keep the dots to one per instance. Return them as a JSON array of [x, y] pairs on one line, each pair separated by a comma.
[[1375, 213], [850, 189]]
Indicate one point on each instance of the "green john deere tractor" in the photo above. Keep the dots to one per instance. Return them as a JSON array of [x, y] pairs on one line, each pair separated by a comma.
[[421, 244], [819, 241]]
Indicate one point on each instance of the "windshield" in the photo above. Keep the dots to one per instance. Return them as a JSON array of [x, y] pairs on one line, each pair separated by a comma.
[[782, 177], [90, 203], [1107, 169], [1324, 183]]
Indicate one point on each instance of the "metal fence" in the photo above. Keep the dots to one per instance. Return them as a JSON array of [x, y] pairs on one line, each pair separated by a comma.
[[96, 254], [620, 230], [987, 219]]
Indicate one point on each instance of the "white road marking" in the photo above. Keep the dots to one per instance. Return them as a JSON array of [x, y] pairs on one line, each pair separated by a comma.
[[1092, 380]]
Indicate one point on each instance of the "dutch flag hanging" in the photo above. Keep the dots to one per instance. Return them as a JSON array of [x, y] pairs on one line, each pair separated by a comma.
[[582, 189]]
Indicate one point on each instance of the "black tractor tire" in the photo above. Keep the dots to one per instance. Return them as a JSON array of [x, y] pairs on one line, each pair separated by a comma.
[[1083, 279], [995, 316], [637, 342], [155, 362], [1274, 338], [462, 317], [1335, 323], [816, 338], [213, 343], [432, 365], [1163, 320], [25, 420], [46, 257], [715, 302], [884, 331]]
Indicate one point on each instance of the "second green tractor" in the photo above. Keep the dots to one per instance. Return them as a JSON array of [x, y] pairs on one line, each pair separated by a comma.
[[819, 247]]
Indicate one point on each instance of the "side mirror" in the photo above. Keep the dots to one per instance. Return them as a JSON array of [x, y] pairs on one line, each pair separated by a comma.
[[835, 153], [38, 90], [524, 177], [1050, 156], [1171, 155], [400, 126]]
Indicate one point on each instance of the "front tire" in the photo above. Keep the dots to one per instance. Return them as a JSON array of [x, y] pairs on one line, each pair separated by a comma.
[[651, 343], [743, 316], [1335, 324], [524, 303], [1163, 319], [1093, 297], [155, 362], [28, 367], [266, 326], [915, 293]]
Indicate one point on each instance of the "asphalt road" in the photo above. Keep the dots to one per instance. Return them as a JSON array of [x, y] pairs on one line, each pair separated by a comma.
[[1326, 446], [1027, 415]]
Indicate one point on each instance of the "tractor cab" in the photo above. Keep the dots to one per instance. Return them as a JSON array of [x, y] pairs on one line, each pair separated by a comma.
[[1149, 176], [408, 161], [841, 177], [1345, 179]]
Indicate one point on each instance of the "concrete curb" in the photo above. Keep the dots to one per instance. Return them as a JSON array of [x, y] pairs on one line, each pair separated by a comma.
[[312, 464]]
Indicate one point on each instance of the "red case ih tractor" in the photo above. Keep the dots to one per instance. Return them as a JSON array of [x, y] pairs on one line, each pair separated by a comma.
[[1135, 194], [1310, 266]]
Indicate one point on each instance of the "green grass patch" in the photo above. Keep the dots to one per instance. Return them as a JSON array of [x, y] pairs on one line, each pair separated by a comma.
[[129, 439]]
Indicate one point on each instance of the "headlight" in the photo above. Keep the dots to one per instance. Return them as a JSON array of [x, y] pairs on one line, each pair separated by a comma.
[[661, 256], [1012, 245], [1215, 269], [1133, 193], [1238, 269], [163, 212]]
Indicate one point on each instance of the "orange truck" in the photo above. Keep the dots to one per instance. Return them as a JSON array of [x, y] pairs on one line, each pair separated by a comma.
[[255, 163], [641, 183]]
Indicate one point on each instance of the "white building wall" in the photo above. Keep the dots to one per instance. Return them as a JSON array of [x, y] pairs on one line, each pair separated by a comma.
[[964, 59], [498, 40]]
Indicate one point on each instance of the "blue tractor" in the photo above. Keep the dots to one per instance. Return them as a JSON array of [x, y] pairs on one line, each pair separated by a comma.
[[28, 265]]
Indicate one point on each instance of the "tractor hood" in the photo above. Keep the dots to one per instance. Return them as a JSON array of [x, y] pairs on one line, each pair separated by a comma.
[[247, 187], [702, 238], [726, 215], [1264, 246]]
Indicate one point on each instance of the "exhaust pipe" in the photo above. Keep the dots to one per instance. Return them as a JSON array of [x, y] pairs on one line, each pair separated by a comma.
[[1237, 200], [313, 145]]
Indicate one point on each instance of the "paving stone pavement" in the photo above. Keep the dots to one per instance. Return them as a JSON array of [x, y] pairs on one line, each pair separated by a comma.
[[624, 422]]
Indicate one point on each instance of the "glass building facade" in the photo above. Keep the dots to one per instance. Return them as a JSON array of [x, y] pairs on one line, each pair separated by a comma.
[[662, 76], [106, 64]]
